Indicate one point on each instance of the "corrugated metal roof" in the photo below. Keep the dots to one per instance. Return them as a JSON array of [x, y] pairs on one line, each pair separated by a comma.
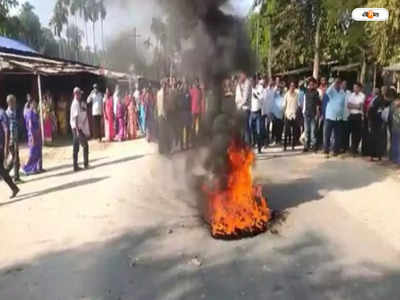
[[37, 64], [15, 45]]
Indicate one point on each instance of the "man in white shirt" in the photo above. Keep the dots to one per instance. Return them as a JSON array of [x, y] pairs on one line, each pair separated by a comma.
[[163, 129], [266, 111], [290, 107], [242, 100], [255, 114], [80, 128], [96, 98], [116, 97], [355, 106]]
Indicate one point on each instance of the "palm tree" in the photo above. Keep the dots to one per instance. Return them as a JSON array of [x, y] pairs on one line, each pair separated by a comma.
[[103, 14], [93, 14], [60, 17], [59, 20], [74, 39]]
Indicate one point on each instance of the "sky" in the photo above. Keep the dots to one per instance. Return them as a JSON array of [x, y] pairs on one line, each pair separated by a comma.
[[118, 17]]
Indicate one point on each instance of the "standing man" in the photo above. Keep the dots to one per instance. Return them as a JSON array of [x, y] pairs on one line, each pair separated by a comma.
[[13, 145], [267, 105], [320, 124], [277, 115], [255, 114], [116, 97], [4, 146], [162, 119], [356, 106], [334, 117], [345, 122], [290, 106], [242, 100], [80, 128], [96, 98], [311, 111]]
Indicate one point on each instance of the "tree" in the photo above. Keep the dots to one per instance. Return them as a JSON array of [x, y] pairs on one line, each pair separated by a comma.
[[74, 39], [386, 35], [49, 45], [32, 31], [79, 7], [60, 17], [103, 15], [93, 14], [7, 24], [5, 6], [268, 12]]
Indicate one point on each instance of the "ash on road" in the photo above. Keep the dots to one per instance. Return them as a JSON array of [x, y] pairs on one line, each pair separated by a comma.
[[129, 228]]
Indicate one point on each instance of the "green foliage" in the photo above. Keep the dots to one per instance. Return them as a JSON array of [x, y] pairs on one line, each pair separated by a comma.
[[385, 36], [293, 25], [31, 27]]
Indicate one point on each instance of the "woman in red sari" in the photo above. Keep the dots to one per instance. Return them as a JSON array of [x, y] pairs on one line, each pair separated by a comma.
[[108, 116], [131, 117]]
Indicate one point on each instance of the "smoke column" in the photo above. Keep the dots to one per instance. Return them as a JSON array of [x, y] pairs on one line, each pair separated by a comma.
[[219, 46]]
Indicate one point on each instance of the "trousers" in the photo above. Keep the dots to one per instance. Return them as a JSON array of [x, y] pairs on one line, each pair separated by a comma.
[[4, 174], [80, 140]]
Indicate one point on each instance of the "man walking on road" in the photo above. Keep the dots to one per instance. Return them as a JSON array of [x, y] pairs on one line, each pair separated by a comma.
[[4, 146], [80, 129], [13, 145], [96, 98]]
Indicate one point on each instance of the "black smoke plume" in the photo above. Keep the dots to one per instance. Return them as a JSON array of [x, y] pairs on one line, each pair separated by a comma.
[[219, 47]]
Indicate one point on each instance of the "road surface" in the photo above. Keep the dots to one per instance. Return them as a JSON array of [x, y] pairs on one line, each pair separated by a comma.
[[130, 228]]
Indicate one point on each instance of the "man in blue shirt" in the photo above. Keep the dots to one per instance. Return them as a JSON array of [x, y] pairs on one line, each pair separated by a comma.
[[13, 125], [333, 117], [4, 140], [277, 116]]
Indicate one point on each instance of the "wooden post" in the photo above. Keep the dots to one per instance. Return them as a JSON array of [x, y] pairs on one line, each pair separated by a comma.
[[39, 79]]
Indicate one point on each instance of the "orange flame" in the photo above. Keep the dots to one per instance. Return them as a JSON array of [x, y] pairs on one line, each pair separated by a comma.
[[239, 208]]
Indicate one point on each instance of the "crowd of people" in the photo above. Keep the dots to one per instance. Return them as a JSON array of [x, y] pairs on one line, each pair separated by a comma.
[[170, 115], [320, 115], [323, 116]]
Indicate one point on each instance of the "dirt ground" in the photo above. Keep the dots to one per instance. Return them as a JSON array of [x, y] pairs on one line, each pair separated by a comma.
[[130, 228]]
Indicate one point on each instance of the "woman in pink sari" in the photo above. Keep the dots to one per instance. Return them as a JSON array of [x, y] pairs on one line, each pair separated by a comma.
[[120, 121], [108, 116], [131, 118]]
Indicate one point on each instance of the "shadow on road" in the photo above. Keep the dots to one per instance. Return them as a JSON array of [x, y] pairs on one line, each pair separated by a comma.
[[334, 175], [71, 171], [62, 187], [141, 266]]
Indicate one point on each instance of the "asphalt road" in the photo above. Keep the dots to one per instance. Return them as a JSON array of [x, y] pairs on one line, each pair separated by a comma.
[[130, 228]]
